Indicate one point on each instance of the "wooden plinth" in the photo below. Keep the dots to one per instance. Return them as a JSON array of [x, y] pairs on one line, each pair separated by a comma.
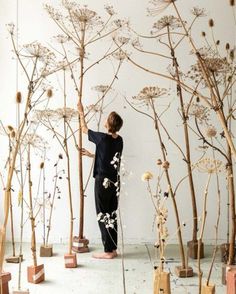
[[46, 251], [224, 252], [193, 249], [80, 245], [161, 282], [210, 289], [183, 272], [231, 280], [225, 269], [14, 259], [35, 274], [70, 260], [4, 280]]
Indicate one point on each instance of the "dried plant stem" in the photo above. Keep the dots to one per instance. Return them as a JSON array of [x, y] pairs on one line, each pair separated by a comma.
[[122, 253], [163, 149], [31, 213], [209, 83], [204, 213], [186, 139]]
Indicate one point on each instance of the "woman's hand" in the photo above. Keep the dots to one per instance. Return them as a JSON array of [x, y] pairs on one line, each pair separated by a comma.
[[85, 152]]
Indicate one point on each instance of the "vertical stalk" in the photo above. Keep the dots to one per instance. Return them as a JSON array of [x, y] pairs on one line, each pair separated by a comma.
[[179, 232], [204, 213], [44, 208], [32, 219]]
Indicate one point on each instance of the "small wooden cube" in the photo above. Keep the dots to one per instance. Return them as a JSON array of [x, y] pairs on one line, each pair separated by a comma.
[[70, 260], [231, 280], [193, 249], [46, 251], [161, 282], [4, 279], [36, 274], [183, 272], [210, 289]]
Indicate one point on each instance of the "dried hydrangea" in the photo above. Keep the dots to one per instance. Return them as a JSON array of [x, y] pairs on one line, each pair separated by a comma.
[[209, 165], [168, 21]]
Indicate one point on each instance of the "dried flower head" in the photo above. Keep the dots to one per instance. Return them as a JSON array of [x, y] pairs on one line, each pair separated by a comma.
[[147, 94], [119, 23], [211, 23], [209, 165], [11, 28], [227, 46], [198, 12], [157, 6], [146, 176], [36, 141], [210, 131], [231, 2], [169, 21], [203, 34], [101, 88], [10, 128], [42, 53], [166, 164], [18, 97], [120, 55], [58, 114], [200, 112], [159, 162], [109, 9], [61, 38], [93, 108], [60, 156], [49, 93], [41, 165]]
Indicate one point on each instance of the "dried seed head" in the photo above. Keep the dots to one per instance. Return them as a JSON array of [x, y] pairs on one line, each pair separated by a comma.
[[13, 134], [159, 162], [10, 128], [147, 176], [231, 54], [211, 23], [203, 34], [166, 164], [227, 46], [18, 97], [211, 132], [60, 156], [218, 42], [231, 2], [49, 93], [41, 165]]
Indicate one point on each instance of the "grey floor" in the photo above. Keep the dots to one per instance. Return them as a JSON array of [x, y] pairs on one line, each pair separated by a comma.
[[105, 276]]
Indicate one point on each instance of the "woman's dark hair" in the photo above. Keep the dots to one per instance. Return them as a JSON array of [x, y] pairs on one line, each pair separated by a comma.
[[114, 122]]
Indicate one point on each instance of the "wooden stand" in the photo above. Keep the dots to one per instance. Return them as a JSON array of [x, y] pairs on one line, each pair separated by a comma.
[[225, 269], [183, 273], [4, 279], [231, 281], [80, 245], [161, 282], [193, 249], [35, 274], [210, 289], [20, 292], [46, 251], [70, 260], [224, 251], [14, 259]]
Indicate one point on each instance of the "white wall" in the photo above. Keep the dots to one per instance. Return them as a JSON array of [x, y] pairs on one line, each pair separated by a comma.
[[141, 147]]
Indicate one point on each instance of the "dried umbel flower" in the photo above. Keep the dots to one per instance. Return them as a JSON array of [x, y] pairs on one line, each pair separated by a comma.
[[36, 141], [119, 23], [200, 112], [101, 88], [158, 6], [159, 162], [120, 55], [198, 12], [169, 21], [147, 94], [18, 97], [211, 23], [61, 38], [147, 176], [49, 93], [166, 164], [211, 132], [41, 165], [42, 53], [122, 40], [93, 108], [109, 9], [209, 165]]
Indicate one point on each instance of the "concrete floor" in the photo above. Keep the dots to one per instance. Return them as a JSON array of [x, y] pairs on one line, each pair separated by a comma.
[[105, 276]]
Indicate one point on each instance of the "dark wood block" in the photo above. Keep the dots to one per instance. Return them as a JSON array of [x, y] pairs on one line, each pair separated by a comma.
[[193, 249], [46, 251], [183, 272]]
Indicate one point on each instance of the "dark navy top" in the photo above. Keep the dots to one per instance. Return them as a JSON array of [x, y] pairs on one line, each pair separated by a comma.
[[106, 148]]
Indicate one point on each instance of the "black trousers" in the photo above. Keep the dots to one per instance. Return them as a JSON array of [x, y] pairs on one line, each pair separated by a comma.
[[106, 202]]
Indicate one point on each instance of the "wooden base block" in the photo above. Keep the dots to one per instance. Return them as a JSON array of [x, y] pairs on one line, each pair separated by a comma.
[[14, 259], [225, 269], [224, 251], [20, 292], [231, 280], [4, 279], [193, 249], [35, 274], [183, 272], [46, 251], [70, 260], [80, 245], [210, 289], [161, 282]]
